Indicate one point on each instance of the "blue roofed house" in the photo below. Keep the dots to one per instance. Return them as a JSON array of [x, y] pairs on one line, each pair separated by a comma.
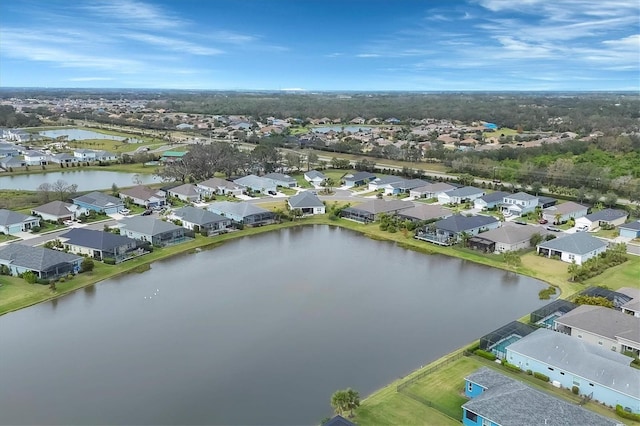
[[307, 202], [244, 213], [489, 201], [12, 222], [452, 229], [45, 263], [282, 180], [600, 374], [498, 400], [100, 245], [519, 204], [578, 247], [99, 202], [606, 217], [630, 230], [358, 179], [201, 220], [152, 230], [258, 184], [460, 195]]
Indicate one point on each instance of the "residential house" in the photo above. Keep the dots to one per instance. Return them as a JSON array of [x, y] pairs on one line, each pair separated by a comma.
[[85, 155], [57, 211], [610, 217], [105, 156], [244, 213], [258, 184], [578, 247], [187, 192], [99, 245], [338, 420], [99, 202], [403, 186], [606, 327], [9, 163], [498, 400], [630, 230], [315, 177], [283, 180], [631, 307], [200, 220], [489, 201], [152, 230], [307, 202], [424, 212], [454, 228], [370, 211], [35, 158], [45, 263], [432, 190], [519, 204], [218, 186], [460, 195], [13, 222], [382, 181], [358, 179], [560, 213], [509, 237], [144, 196], [63, 158], [544, 202], [598, 372]]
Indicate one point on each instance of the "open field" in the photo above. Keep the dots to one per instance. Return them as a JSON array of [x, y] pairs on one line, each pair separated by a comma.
[[499, 132], [436, 167]]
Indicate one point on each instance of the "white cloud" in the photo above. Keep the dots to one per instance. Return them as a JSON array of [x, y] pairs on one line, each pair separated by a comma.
[[91, 79], [143, 15], [172, 44], [368, 55]]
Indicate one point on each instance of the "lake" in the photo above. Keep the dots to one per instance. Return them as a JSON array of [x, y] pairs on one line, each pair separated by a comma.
[[80, 134], [350, 129], [261, 330], [87, 180]]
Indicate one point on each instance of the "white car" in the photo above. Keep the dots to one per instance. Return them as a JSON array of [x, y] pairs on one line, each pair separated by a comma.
[[125, 211], [68, 222]]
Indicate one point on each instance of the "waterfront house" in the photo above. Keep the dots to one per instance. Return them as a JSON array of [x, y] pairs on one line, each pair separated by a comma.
[[280, 179], [432, 190], [200, 220], [358, 179], [85, 154], [370, 211], [9, 163], [63, 158], [13, 222], [152, 230], [187, 192], [599, 373], [244, 213], [218, 186], [144, 196], [307, 202], [57, 211], [99, 202], [560, 213], [452, 229], [45, 263], [610, 217], [498, 400], [258, 184], [509, 237], [460, 195], [105, 156], [35, 158], [315, 177], [99, 245], [424, 212], [519, 204], [578, 247], [489, 201], [630, 230]]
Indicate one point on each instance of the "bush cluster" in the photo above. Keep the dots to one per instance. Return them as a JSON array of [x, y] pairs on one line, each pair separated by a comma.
[[625, 414], [541, 376], [485, 354]]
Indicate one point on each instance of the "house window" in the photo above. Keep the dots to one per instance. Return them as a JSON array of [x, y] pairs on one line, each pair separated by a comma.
[[486, 422], [600, 342], [471, 416], [470, 387], [571, 257], [561, 373], [591, 384]]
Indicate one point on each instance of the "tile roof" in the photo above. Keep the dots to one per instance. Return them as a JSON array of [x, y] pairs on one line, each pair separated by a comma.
[[95, 239], [355, 177], [35, 258], [578, 243]]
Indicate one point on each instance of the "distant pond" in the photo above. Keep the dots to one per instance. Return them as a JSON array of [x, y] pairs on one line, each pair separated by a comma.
[[80, 134], [350, 129], [259, 331], [87, 180]]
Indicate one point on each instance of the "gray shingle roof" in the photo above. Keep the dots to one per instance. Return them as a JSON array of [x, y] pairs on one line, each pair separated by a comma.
[[578, 243], [280, 177], [198, 216], [99, 199], [631, 225], [435, 187], [386, 180], [148, 225], [564, 208], [305, 199], [187, 189], [95, 239], [512, 233], [255, 182], [9, 217], [314, 174], [512, 403], [459, 223], [56, 208], [465, 191], [606, 215], [36, 258], [602, 321], [356, 177], [215, 183], [494, 196], [425, 212], [382, 206], [143, 192], [241, 209], [521, 196], [591, 362]]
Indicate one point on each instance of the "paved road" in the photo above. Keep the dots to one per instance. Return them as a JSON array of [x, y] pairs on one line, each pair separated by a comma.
[[41, 239]]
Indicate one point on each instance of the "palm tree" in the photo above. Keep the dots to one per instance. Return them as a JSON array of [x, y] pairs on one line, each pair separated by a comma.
[[353, 400], [573, 271], [339, 401]]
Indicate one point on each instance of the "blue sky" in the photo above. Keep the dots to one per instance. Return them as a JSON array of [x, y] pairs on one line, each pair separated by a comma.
[[322, 44]]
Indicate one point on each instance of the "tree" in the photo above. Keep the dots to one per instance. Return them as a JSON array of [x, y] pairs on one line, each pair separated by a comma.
[[293, 160], [353, 400], [115, 190], [535, 239], [610, 199], [536, 187], [343, 400], [86, 265], [312, 158], [63, 190], [573, 270], [44, 191]]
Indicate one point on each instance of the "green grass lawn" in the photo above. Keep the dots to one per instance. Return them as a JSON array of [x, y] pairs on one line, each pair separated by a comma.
[[287, 191], [502, 131], [4, 238], [302, 183]]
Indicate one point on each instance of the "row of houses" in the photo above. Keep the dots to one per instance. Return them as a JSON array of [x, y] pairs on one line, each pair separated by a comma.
[[21, 158]]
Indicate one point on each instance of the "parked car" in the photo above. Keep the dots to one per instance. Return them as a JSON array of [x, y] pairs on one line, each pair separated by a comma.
[[146, 213], [68, 222], [543, 221], [520, 222], [554, 229], [125, 211]]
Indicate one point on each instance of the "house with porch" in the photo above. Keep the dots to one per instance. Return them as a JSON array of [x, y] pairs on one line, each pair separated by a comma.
[[45, 263], [57, 211], [509, 237], [307, 202], [218, 186], [99, 202], [498, 400], [403, 186], [243, 212], [561, 213], [432, 190], [607, 217], [370, 211], [578, 247], [630, 230], [152, 230], [187, 192], [315, 177], [12, 222], [99, 245], [599, 373], [519, 204], [144, 196], [358, 179], [85, 155], [489, 201], [460, 195], [283, 180], [200, 220], [424, 212], [258, 184], [63, 158], [35, 158], [454, 228]]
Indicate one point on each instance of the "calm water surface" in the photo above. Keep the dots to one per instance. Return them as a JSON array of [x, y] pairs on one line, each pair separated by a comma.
[[79, 134], [87, 180], [261, 330], [351, 129]]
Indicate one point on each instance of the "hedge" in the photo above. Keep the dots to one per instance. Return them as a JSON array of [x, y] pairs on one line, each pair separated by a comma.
[[631, 416], [541, 376], [485, 354]]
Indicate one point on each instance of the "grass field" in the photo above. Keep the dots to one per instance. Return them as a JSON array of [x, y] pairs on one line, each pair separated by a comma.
[[502, 131]]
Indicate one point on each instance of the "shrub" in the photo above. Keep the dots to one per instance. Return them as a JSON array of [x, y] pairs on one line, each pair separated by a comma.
[[485, 354], [35, 229], [627, 415], [541, 376], [511, 367], [529, 372], [546, 293], [30, 277], [110, 261], [575, 390], [86, 265]]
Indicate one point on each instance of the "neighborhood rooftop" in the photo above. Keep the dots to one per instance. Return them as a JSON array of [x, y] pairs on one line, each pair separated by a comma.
[[603, 321], [198, 216], [8, 217], [459, 223], [606, 215], [95, 239], [579, 243], [35, 258], [241, 209], [305, 199], [147, 225]]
